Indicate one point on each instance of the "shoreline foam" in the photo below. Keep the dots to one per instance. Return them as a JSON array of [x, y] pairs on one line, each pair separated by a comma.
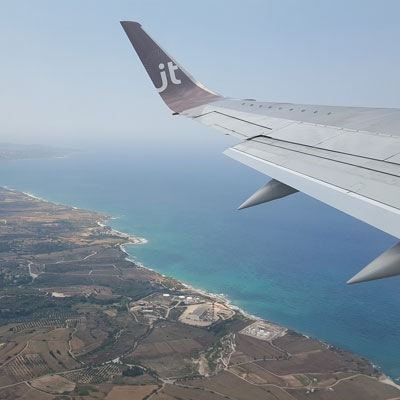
[[387, 379], [220, 297]]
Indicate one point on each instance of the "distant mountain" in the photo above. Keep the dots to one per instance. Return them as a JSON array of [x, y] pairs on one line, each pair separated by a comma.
[[12, 151]]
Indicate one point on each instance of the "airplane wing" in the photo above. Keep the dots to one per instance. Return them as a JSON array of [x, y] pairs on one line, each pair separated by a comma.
[[347, 157]]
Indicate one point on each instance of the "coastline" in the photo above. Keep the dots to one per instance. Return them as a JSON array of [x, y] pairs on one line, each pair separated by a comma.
[[218, 297], [227, 302]]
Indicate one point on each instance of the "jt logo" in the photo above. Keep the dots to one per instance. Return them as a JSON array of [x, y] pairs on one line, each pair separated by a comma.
[[164, 81]]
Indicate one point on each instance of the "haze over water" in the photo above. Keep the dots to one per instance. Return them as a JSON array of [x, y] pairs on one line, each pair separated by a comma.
[[286, 261]]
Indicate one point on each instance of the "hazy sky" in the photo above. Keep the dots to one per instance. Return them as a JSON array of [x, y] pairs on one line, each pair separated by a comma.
[[69, 73]]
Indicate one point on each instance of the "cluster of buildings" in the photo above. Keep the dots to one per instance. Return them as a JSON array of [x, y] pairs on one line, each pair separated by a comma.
[[264, 330], [202, 313], [259, 332], [193, 309]]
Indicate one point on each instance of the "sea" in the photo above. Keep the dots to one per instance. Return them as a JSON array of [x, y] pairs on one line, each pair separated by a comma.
[[286, 261]]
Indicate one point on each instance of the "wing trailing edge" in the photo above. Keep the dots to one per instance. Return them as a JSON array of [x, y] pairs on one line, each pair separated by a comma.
[[346, 157]]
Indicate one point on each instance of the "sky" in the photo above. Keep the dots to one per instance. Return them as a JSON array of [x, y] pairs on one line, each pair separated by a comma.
[[68, 74]]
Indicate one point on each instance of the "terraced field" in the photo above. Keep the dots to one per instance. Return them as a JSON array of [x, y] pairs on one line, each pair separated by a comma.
[[79, 321], [96, 374]]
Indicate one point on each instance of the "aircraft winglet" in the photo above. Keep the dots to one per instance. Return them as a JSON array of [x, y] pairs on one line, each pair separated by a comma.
[[179, 90], [290, 147]]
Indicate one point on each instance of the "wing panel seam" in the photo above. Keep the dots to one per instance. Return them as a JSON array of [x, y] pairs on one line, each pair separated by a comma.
[[230, 116], [326, 150], [332, 159], [320, 180]]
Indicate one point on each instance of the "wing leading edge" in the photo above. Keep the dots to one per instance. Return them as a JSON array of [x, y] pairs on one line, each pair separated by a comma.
[[347, 157]]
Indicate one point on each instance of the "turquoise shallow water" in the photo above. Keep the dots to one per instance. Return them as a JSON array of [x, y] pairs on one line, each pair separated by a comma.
[[287, 261]]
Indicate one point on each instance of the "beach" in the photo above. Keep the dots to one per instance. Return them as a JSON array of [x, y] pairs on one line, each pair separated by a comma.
[[272, 261], [79, 279]]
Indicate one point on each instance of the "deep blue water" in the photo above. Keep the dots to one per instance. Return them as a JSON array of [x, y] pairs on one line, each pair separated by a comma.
[[286, 261]]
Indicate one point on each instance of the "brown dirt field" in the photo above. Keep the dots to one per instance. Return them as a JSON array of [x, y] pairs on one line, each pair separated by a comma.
[[177, 392], [62, 347], [7, 379], [5, 329], [239, 357], [140, 274], [9, 350], [295, 343], [168, 331], [55, 334], [184, 345], [104, 387], [137, 380], [239, 389], [170, 347], [76, 344], [110, 271], [162, 396], [14, 392], [26, 366], [15, 342], [33, 394], [130, 392], [254, 378], [255, 348], [296, 380], [156, 349], [319, 361], [90, 333], [55, 384], [56, 341], [42, 349], [103, 291], [121, 346], [163, 348], [328, 379], [359, 388], [147, 350], [171, 366], [256, 374]]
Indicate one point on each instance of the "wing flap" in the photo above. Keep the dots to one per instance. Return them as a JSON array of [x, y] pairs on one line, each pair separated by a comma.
[[371, 196], [234, 124], [304, 133], [223, 115], [369, 145]]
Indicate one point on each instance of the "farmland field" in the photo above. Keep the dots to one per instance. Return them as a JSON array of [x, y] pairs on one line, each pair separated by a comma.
[[130, 392], [80, 321]]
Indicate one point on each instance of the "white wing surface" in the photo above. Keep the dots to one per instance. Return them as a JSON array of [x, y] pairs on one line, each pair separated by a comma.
[[347, 157]]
